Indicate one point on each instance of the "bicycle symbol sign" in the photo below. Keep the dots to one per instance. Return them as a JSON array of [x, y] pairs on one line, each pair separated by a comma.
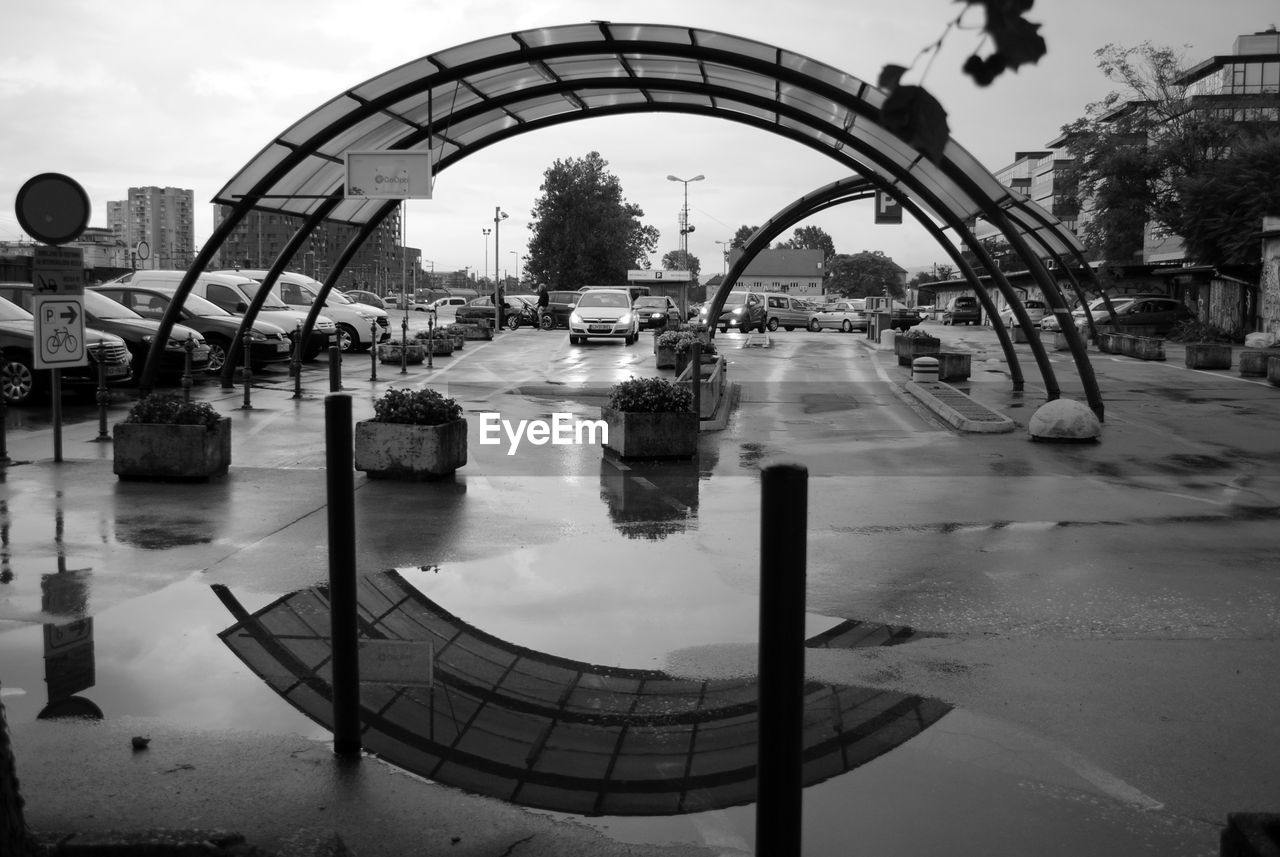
[[59, 331]]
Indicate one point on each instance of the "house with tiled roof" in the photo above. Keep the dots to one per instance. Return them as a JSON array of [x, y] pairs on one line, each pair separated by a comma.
[[797, 272]]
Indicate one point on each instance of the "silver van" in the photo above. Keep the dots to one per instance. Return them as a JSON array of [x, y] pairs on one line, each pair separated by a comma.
[[354, 320], [786, 312]]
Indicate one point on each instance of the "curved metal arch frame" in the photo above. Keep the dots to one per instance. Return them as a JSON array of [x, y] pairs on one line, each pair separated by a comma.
[[851, 190], [794, 78]]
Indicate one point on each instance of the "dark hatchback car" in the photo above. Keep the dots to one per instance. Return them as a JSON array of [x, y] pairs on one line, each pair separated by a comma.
[[656, 311], [559, 305], [962, 310], [22, 382], [102, 313], [480, 310], [268, 342]]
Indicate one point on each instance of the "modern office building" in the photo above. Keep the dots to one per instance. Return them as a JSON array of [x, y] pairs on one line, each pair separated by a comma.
[[162, 219]]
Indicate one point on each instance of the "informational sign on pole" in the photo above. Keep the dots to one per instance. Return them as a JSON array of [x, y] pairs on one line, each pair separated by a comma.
[[57, 270], [59, 331], [888, 209]]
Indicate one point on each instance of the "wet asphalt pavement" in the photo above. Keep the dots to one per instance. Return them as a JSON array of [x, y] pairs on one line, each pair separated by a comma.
[[1103, 618]]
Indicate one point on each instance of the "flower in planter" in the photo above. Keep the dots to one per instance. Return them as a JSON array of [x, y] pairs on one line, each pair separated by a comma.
[[434, 333], [649, 396], [415, 407], [686, 344], [163, 409], [1198, 331], [671, 338], [917, 333]]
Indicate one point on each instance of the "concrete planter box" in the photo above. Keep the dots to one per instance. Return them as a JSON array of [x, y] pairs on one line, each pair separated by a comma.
[[171, 452], [1253, 362], [1142, 347], [673, 434], [1020, 334], [439, 346], [476, 331], [908, 348], [391, 352], [665, 358], [953, 365], [1056, 341], [1110, 343], [711, 384], [682, 360], [1273, 370], [411, 452], [1208, 355]]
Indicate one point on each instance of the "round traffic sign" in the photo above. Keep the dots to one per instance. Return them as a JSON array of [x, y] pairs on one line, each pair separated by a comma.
[[52, 208], [142, 249]]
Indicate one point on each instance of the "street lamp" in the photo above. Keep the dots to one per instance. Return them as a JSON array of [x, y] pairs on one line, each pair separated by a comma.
[[498, 216], [685, 228], [516, 253], [486, 232], [726, 246]]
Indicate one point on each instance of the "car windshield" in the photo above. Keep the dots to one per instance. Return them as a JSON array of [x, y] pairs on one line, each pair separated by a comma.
[[735, 298], [336, 297], [101, 306], [10, 311], [657, 303], [610, 299], [197, 305]]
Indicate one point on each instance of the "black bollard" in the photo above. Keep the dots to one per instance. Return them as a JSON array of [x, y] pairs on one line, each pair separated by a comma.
[[780, 760], [373, 349], [695, 378], [248, 374], [295, 362], [335, 369], [404, 345], [189, 347], [4, 415], [343, 626], [104, 397]]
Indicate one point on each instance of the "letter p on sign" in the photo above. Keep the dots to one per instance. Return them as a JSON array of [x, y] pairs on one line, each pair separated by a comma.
[[888, 209]]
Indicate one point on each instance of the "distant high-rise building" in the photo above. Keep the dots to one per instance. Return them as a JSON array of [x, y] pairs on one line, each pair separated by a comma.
[[164, 218]]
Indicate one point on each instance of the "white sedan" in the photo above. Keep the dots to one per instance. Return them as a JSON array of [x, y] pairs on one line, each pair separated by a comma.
[[847, 316]]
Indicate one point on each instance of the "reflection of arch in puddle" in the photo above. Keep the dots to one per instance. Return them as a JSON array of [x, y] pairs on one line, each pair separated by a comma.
[[650, 500], [557, 734]]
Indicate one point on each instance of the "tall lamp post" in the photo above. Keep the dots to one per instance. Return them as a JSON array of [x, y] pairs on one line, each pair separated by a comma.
[[516, 253], [725, 247], [486, 232], [685, 228], [498, 216]]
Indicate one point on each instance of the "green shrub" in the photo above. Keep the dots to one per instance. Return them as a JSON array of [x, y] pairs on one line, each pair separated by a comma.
[[1194, 330], [415, 407], [163, 409], [918, 333], [435, 333], [685, 345], [649, 396], [670, 338]]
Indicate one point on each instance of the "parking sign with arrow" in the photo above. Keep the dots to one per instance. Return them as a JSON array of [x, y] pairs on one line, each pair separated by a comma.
[[59, 331]]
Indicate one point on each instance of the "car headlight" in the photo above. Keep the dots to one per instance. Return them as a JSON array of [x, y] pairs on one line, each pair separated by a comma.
[[257, 336], [625, 318], [575, 318], [739, 311]]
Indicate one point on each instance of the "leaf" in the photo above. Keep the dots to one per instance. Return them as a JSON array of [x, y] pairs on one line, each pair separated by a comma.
[[889, 76], [918, 118], [1015, 37]]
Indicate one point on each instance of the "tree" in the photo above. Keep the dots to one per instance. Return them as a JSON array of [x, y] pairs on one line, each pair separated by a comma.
[[675, 260], [583, 231], [858, 275], [1225, 203], [1136, 149], [811, 238], [740, 237]]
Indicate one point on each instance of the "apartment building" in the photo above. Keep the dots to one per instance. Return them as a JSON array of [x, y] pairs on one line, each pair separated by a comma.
[[161, 218]]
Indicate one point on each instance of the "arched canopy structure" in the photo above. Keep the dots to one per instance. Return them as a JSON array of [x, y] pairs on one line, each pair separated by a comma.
[[457, 102]]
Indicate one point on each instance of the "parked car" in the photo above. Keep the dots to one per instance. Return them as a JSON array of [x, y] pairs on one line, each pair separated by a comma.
[[743, 310], [657, 311], [847, 315], [604, 313], [786, 312], [233, 292], [446, 308], [479, 310], [268, 343], [22, 382], [560, 305], [1156, 316], [366, 298], [354, 321], [1035, 313], [963, 309], [102, 313], [902, 317]]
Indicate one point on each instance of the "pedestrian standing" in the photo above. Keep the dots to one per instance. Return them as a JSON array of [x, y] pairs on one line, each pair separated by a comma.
[[544, 301]]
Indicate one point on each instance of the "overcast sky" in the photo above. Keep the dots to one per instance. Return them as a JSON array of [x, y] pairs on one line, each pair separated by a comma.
[[183, 92]]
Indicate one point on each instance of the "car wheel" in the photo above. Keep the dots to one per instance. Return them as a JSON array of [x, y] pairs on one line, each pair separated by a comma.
[[814, 326], [724, 329], [760, 328], [217, 354], [847, 327], [773, 324], [348, 339], [19, 381], [548, 323]]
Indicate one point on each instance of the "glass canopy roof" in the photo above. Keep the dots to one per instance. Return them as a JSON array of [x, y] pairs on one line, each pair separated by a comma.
[[467, 97]]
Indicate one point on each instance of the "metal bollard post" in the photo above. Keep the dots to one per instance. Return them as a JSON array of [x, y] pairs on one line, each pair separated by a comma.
[[431, 337], [295, 362], [695, 378], [104, 397], [189, 346], [343, 626], [248, 373], [373, 349], [335, 369], [780, 761], [404, 345]]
